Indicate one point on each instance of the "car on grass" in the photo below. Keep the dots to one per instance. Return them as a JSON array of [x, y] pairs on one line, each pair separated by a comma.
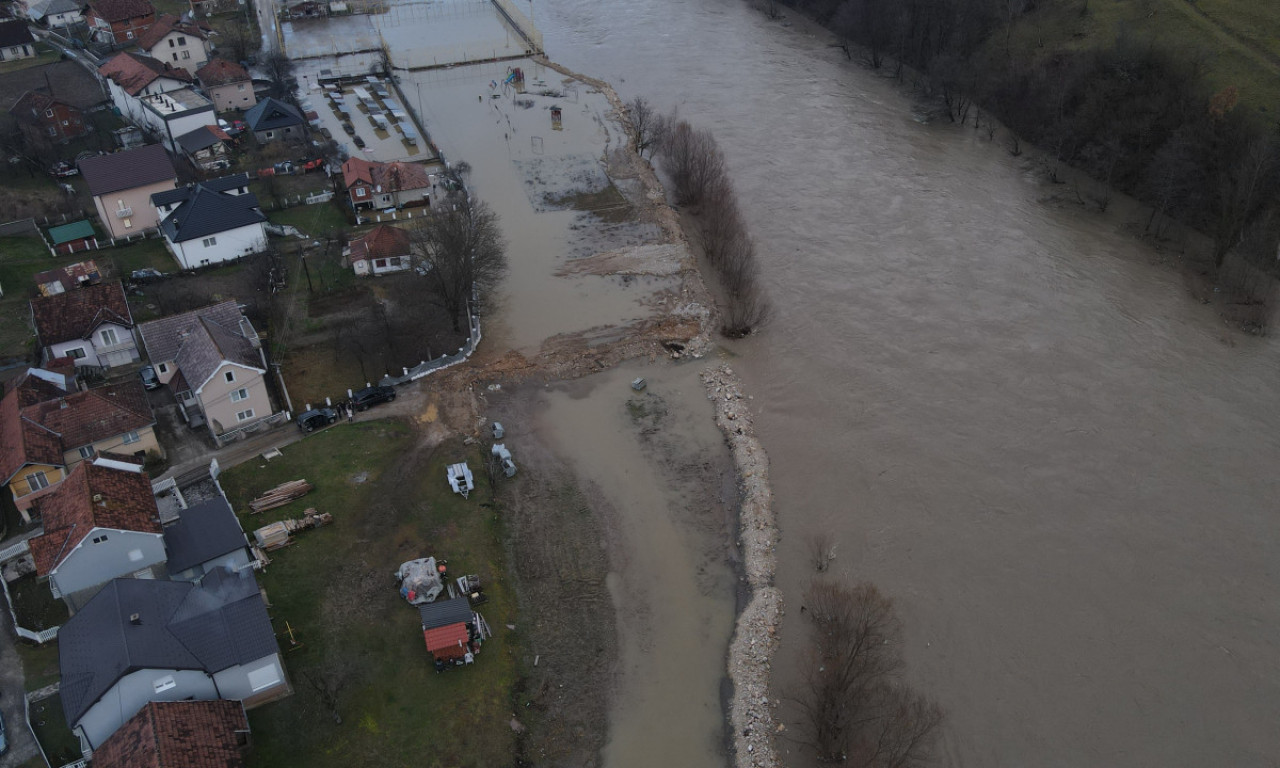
[[146, 274], [309, 421], [149, 378], [371, 396], [63, 170]]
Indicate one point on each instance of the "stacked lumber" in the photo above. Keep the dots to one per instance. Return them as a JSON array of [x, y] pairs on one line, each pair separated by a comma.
[[276, 535], [280, 495], [310, 519]]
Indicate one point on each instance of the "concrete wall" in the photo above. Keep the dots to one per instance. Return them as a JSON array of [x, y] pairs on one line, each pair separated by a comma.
[[227, 246], [215, 398], [144, 214], [132, 693], [121, 554], [232, 96]]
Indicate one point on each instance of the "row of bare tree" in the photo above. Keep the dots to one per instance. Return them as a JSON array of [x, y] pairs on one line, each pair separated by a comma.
[[700, 181]]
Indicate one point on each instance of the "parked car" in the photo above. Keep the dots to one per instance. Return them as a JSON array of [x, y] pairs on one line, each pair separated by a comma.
[[370, 396], [145, 274], [349, 128], [359, 141], [316, 418], [149, 378], [63, 170]]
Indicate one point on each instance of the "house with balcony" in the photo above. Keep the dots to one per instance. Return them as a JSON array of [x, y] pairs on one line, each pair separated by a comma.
[[213, 221], [119, 21], [122, 184], [211, 359], [180, 44], [228, 84], [92, 325]]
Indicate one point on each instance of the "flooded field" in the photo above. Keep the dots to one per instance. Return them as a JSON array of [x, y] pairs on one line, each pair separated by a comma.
[[1009, 413]]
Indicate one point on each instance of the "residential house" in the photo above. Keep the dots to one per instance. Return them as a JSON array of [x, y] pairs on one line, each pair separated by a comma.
[[228, 84], [122, 184], [140, 641], [51, 119], [92, 325], [63, 279], [56, 14], [383, 250], [100, 524], [72, 238], [385, 185], [179, 43], [206, 537], [179, 734], [119, 21], [210, 222], [67, 81], [130, 78], [49, 427], [212, 360], [175, 113], [206, 147], [273, 120], [16, 41]]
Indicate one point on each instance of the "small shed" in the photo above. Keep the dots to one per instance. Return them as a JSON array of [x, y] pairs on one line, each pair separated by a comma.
[[448, 643], [73, 237]]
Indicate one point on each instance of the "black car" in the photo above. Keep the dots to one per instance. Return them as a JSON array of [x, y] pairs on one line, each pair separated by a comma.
[[372, 396], [149, 378], [349, 128], [316, 418], [359, 141]]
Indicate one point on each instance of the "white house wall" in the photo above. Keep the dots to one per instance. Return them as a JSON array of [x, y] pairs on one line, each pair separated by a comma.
[[122, 554], [132, 693], [229, 245], [237, 682], [123, 352]]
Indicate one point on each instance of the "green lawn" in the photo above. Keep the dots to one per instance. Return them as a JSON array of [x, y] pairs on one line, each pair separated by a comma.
[[36, 607], [39, 663], [318, 221], [360, 641], [59, 743], [44, 55], [20, 259]]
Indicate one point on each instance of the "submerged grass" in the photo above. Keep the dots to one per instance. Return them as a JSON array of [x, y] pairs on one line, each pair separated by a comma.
[[362, 659]]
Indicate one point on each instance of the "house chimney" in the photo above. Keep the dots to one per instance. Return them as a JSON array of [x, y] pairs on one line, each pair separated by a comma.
[[62, 403], [135, 619]]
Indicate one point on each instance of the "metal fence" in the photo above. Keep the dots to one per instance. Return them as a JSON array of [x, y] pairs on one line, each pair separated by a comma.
[[19, 227], [270, 422], [522, 23]]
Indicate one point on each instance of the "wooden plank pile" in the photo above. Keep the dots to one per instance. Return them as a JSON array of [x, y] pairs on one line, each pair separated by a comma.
[[276, 535], [280, 495]]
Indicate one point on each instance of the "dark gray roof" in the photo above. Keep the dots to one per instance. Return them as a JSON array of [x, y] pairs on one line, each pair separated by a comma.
[[164, 337], [14, 33], [196, 140], [44, 8], [203, 532], [127, 169], [218, 624], [442, 613], [207, 211], [71, 84], [270, 114], [220, 184], [198, 341]]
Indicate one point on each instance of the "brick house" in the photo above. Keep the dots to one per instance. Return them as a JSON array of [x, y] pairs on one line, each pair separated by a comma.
[[48, 117], [119, 21]]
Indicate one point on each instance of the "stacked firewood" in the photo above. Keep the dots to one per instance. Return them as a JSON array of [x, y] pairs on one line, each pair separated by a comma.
[[280, 495]]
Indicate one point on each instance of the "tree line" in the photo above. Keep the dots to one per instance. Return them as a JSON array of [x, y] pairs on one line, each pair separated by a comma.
[[1134, 116]]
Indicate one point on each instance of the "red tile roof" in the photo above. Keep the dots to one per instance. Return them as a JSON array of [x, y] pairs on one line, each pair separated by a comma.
[[69, 512], [133, 72], [166, 23], [388, 176], [86, 417], [443, 642], [178, 734], [220, 72], [22, 441], [355, 170], [121, 10], [381, 242], [76, 314]]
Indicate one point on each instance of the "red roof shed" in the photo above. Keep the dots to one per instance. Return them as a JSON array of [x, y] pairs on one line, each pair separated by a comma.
[[449, 642]]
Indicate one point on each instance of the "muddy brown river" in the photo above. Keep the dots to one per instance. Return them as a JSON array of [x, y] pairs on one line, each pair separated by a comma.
[[1011, 415]]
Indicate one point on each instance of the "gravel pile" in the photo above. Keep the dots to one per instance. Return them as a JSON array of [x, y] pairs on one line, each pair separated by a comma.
[[755, 636]]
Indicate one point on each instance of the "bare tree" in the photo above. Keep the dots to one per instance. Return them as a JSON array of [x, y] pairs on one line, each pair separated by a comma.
[[462, 250], [644, 119], [856, 709], [694, 161], [279, 70]]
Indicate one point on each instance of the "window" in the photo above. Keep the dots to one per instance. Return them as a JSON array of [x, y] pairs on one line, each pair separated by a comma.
[[48, 113], [165, 683], [361, 192], [244, 415], [86, 451], [76, 353], [108, 336], [37, 481], [271, 134], [230, 376], [135, 555], [53, 130], [175, 57], [131, 437], [209, 242], [171, 42], [186, 54], [64, 122], [100, 539], [240, 394], [264, 677], [380, 263], [129, 34], [162, 368], [182, 41]]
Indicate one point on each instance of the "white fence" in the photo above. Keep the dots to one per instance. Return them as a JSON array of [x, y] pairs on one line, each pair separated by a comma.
[[27, 634]]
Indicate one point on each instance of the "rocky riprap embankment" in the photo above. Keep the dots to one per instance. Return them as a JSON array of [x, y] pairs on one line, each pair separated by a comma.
[[755, 637]]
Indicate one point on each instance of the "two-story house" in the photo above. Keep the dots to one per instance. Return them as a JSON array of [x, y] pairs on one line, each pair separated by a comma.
[[131, 79], [213, 221], [56, 14], [16, 41], [385, 185], [140, 641], [122, 184], [228, 84], [179, 43], [100, 524], [212, 360], [179, 734], [92, 325], [119, 21], [48, 117]]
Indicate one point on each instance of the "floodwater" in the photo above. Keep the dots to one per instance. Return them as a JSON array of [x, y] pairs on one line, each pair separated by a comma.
[[1011, 416], [672, 588]]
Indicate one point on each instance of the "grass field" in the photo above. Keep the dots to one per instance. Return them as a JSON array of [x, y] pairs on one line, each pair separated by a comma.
[[39, 663], [1240, 39], [361, 643], [317, 221]]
